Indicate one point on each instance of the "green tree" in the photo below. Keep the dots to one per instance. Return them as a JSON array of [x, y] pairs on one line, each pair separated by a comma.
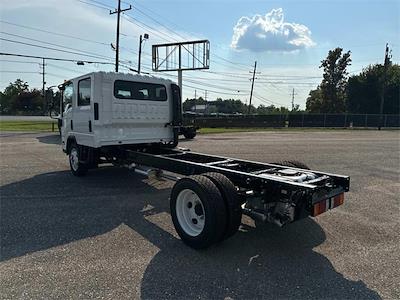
[[18, 99], [28, 103], [265, 110], [331, 96], [314, 100], [364, 90], [7, 98]]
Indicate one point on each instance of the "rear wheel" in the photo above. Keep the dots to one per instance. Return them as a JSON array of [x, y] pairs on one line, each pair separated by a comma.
[[231, 200], [198, 211], [77, 168]]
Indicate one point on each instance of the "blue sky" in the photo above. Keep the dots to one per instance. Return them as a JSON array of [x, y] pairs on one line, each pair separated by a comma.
[[287, 38]]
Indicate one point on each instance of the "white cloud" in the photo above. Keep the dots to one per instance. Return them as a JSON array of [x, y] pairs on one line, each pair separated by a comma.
[[270, 33]]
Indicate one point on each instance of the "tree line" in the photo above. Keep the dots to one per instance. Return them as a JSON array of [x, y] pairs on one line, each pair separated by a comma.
[[359, 94], [337, 93], [18, 99], [230, 106]]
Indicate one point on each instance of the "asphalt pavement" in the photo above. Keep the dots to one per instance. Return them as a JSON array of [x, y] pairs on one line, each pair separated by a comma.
[[109, 235]]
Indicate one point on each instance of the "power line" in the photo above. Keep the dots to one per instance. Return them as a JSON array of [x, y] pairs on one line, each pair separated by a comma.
[[63, 68], [259, 97], [149, 28], [224, 88], [27, 72], [48, 48], [54, 33], [57, 45], [69, 36], [171, 38], [56, 58], [159, 23], [216, 92], [18, 61], [235, 92], [92, 4], [234, 64], [99, 3]]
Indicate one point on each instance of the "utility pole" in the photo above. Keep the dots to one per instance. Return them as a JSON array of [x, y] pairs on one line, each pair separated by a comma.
[[44, 84], [252, 86], [386, 64], [118, 12], [195, 100], [293, 94], [206, 104]]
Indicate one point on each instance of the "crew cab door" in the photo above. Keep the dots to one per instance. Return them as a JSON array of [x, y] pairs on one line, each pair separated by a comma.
[[66, 111], [82, 111]]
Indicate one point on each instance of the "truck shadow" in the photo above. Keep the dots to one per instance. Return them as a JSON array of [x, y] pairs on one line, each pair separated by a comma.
[[52, 139], [266, 263], [56, 208]]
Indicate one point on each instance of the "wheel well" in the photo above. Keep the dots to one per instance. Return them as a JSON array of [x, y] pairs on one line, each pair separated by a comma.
[[71, 140]]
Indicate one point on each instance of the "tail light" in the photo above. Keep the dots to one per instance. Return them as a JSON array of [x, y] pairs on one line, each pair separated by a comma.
[[327, 204]]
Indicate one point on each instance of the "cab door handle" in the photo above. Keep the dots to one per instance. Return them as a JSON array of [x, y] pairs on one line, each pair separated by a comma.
[[96, 111]]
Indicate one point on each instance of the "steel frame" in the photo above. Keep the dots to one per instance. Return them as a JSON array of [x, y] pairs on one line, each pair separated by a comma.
[[243, 173]]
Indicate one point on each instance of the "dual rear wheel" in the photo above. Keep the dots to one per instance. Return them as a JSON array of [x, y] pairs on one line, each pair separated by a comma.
[[205, 209]]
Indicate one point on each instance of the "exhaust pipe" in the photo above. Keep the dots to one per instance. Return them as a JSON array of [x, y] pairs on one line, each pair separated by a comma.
[[152, 173]]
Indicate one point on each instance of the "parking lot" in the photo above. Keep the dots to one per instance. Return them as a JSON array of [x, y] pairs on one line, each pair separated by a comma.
[[109, 234]]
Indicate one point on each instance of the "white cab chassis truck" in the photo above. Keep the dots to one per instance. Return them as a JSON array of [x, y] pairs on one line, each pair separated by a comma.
[[135, 121]]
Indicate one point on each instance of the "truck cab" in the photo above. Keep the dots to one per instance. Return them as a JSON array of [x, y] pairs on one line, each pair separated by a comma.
[[104, 109]]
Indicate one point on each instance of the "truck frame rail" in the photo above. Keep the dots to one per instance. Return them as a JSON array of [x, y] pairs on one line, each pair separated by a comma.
[[249, 175]]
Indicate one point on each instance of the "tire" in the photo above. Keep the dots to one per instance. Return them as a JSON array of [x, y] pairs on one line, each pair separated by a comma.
[[231, 200], [292, 163], [198, 211], [189, 134], [77, 168]]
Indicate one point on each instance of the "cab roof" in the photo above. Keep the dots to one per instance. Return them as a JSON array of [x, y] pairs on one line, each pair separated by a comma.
[[124, 76]]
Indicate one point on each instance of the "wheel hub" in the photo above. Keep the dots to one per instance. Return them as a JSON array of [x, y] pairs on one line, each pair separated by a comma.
[[190, 212], [74, 159]]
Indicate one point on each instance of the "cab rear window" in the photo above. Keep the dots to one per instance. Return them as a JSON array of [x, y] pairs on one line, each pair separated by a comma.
[[139, 91]]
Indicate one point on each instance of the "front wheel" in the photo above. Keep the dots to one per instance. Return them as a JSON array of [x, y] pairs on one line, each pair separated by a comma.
[[198, 211], [76, 166]]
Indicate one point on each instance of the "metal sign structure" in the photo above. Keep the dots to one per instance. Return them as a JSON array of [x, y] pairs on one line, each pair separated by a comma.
[[181, 56]]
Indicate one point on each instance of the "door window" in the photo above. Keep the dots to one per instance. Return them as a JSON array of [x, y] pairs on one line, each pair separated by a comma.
[[67, 96], [84, 92]]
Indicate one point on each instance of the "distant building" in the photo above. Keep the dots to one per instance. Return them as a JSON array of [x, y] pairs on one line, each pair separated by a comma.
[[203, 108]]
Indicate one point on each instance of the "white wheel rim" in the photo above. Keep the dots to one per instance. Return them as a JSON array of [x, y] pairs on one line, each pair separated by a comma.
[[74, 159], [190, 212]]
